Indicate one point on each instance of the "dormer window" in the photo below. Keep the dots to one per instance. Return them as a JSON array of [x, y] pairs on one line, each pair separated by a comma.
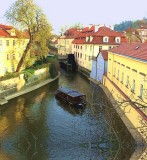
[[87, 38], [91, 38], [12, 32], [105, 39], [117, 39]]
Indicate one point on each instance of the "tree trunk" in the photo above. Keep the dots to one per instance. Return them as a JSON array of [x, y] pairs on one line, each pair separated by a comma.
[[23, 57]]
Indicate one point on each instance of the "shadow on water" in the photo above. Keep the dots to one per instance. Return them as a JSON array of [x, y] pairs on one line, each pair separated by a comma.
[[72, 110], [36, 126]]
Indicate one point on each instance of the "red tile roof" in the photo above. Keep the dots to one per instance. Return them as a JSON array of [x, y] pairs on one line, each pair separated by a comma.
[[88, 29], [98, 36], [134, 50], [5, 27], [71, 33], [104, 54], [78, 41], [4, 32], [105, 31]]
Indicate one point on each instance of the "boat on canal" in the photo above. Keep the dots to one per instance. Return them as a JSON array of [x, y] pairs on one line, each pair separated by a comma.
[[70, 96]]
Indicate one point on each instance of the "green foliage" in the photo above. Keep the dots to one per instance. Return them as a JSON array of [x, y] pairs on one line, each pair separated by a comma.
[[77, 25], [65, 27], [52, 58], [51, 46], [9, 75], [129, 24], [123, 26], [29, 70], [53, 69], [25, 14]]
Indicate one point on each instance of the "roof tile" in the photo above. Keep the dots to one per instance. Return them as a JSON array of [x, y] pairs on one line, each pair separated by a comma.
[[134, 50]]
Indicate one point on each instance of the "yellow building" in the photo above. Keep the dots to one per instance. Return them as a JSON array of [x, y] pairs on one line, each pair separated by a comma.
[[127, 73], [12, 45], [142, 31], [65, 41]]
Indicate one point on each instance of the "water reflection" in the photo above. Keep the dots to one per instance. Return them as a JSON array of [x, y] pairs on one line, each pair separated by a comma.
[[3, 126], [36, 126], [72, 110], [19, 109]]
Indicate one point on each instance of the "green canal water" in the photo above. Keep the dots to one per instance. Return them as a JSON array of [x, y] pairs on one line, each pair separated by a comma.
[[36, 126]]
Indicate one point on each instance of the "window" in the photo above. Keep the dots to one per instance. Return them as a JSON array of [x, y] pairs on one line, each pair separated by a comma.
[[117, 39], [89, 58], [90, 48], [81, 47], [85, 56], [1, 43], [13, 56], [127, 82], [8, 56], [74, 46], [86, 47], [122, 77], [13, 42], [114, 72], [81, 55], [141, 91], [118, 74], [78, 55], [105, 39], [7, 42], [110, 47], [133, 86], [12, 68]]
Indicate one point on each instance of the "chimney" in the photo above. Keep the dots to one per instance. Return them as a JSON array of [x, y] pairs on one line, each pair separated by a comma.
[[111, 27], [96, 27], [90, 25]]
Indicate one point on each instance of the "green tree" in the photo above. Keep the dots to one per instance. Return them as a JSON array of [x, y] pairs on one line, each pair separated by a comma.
[[77, 25], [25, 14]]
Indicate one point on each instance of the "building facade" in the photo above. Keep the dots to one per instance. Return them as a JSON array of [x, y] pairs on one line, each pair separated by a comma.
[[94, 39], [65, 41], [127, 71], [99, 66], [142, 31], [12, 45]]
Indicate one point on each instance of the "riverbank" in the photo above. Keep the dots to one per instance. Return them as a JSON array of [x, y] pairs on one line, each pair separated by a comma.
[[132, 121], [5, 99]]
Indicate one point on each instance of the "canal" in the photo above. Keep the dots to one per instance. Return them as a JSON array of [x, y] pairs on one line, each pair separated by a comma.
[[36, 126]]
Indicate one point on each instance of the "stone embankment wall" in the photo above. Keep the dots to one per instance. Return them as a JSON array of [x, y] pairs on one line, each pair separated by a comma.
[[19, 83]]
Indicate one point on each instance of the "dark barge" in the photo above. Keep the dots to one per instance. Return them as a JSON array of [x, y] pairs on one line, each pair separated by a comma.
[[70, 96]]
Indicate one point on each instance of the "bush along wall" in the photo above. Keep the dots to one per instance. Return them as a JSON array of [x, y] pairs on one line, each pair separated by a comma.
[[54, 69]]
